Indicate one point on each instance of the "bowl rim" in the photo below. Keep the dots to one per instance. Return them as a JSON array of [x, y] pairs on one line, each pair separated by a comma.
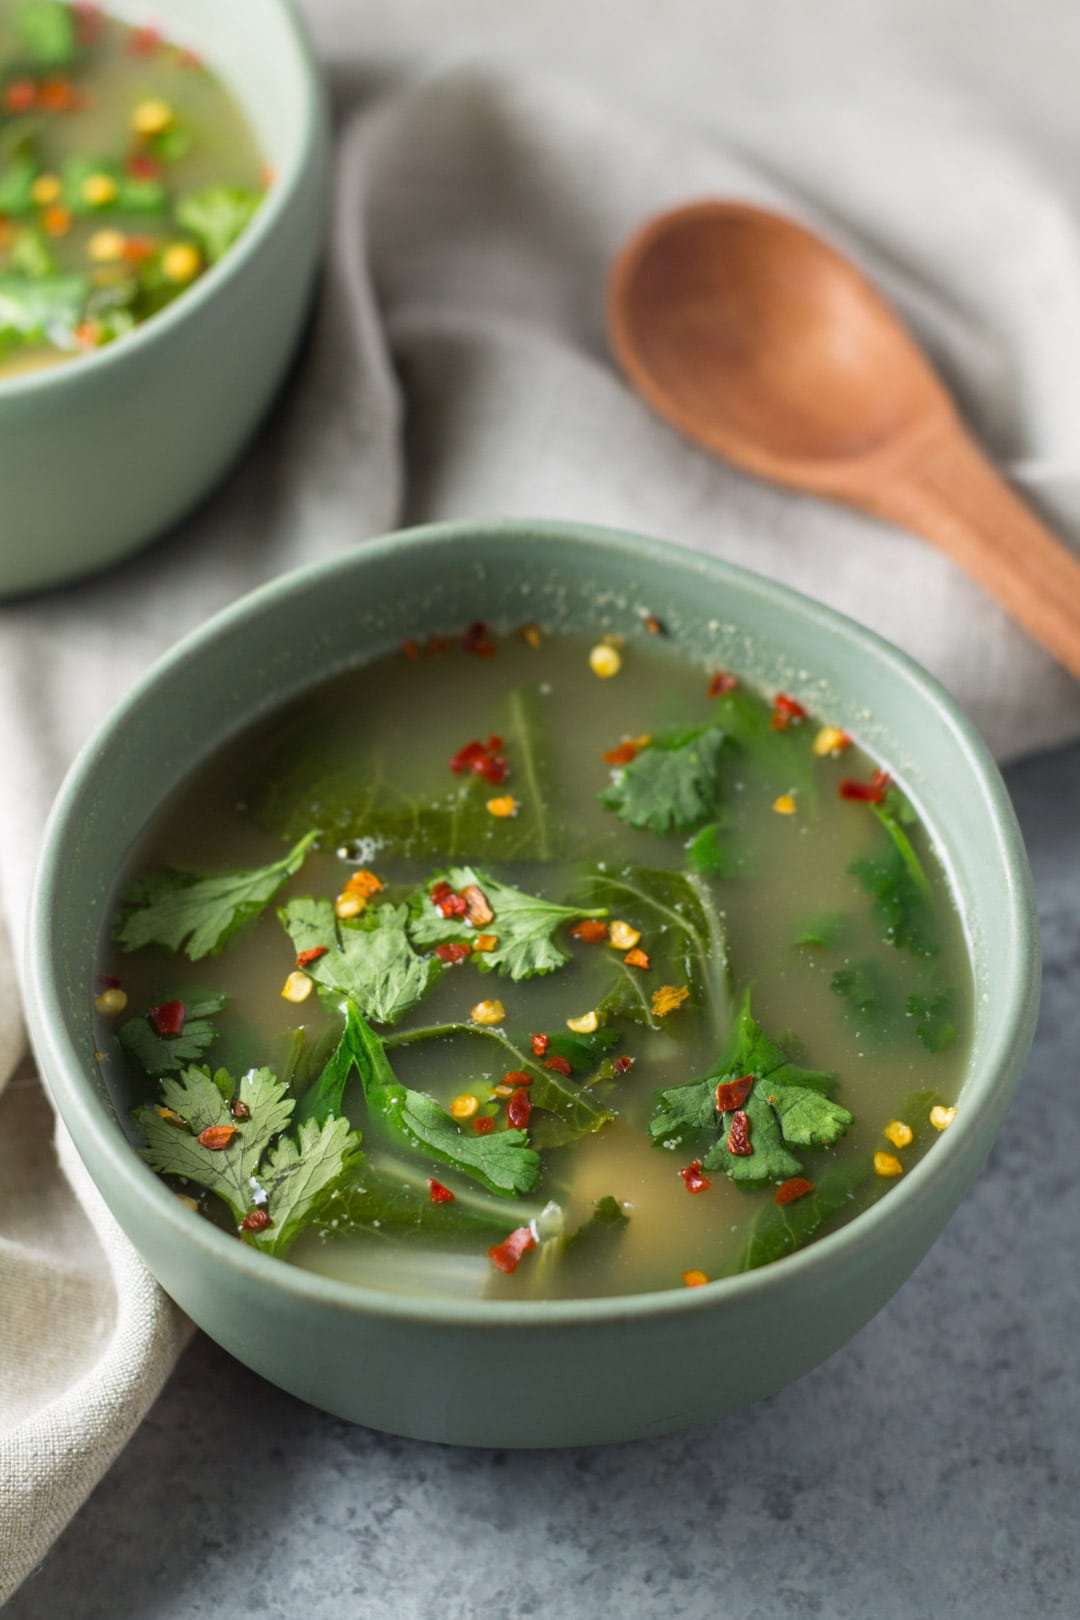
[[217, 277], [83, 1110]]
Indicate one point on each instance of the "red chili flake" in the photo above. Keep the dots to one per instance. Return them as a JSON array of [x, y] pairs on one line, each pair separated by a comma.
[[483, 1124], [794, 1187], [89, 21], [144, 166], [435, 646], [733, 1094], [477, 909], [540, 1044], [482, 758], [216, 1137], [590, 930], [493, 768], [516, 1077], [168, 1019], [411, 649], [519, 1108], [655, 626], [785, 711], [20, 95], [143, 41], [507, 1254], [138, 248], [696, 1181], [312, 955], [637, 958], [721, 683], [239, 1110], [623, 1065], [439, 1193], [257, 1221], [456, 951], [108, 981], [477, 641], [187, 58], [738, 1141], [623, 754], [447, 902], [557, 1065], [871, 792]]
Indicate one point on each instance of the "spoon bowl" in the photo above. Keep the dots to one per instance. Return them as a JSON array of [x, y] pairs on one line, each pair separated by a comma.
[[764, 344]]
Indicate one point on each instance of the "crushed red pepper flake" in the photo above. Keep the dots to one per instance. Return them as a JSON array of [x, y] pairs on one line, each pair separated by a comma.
[[477, 640], [507, 1254], [144, 41], [483, 1124], [20, 95], [58, 95], [311, 955], [558, 1065], [872, 792], [435, 646], [216, 1137], [738, 1142], [108, 981], [655, 626], [786, 711], [239, 1109], [453, 951], [477, 910], [168, 1018], [733, 1093], [484, 759], [637, 958], [624, 754], [694, 1177], [257, 1221], [721, 683], [438, 1193], [623, 1064], [516, 1077], [539, 1044], [411, 649], [794, 1187], [590, 930], [144, 166], [667, 998], [519, 1108]]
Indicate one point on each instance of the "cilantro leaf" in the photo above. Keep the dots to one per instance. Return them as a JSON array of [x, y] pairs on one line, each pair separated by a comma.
[[216, 216], [40, 309], [130, 196], [780, 1229], [172, 907], [583, 1051], [786, 1106], [46, 29], [161, 1054], [30, 255], [16, 183], [935, 1026], [259, 1168], [670, 784], [682, 932], [370, 960], [523, 925], [376, 1202], [861, 985], [501, 1161], [896, 882]]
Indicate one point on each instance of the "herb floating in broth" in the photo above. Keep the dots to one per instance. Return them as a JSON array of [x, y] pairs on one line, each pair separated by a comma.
[[126, 171], [515, 941]]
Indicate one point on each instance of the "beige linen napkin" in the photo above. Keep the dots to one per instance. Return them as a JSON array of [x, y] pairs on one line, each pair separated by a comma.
[[458, 368]]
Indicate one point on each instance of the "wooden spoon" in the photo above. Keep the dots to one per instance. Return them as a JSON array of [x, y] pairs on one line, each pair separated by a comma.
[[762, 343]]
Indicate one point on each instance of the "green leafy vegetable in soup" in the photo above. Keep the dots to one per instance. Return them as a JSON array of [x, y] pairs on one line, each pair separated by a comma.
[[515, 966], [126, 171]]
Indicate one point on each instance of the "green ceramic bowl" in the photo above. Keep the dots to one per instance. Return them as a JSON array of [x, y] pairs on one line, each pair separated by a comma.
[[100, 455], [560, 1372]]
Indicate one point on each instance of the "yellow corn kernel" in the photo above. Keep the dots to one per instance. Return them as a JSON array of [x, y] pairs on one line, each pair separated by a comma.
[[297, 986], [488, 1012], [507, 805], [831, 740], [111, 1001], [530, 635], [348, 905], [56, 221], [464, 1106], [104, 247], [45, 189], [502, 1091], [622, 936], [587, 1024], [605, 661], [694, 1279], [363, 883], [151, 117], [899, 1134], [485, 942], [942, 1118], [98, 189], [189, 1202], [887, 1164], [784, 805], [181, 261], [173, 1118]]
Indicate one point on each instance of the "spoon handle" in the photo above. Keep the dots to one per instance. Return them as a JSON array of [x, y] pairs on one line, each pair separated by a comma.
[[952, 496]]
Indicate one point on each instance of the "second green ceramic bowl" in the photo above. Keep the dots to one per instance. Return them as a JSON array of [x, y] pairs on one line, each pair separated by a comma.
[[535, 1373]]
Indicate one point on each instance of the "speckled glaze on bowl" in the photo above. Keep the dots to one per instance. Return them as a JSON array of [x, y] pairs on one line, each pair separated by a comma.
[[100, 455], [566, 1372]]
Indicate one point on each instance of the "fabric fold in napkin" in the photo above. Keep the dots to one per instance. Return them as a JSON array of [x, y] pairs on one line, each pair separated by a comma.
[[458, 368]]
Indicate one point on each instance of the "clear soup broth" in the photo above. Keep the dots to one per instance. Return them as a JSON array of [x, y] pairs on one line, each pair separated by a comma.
[[520, 966]]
